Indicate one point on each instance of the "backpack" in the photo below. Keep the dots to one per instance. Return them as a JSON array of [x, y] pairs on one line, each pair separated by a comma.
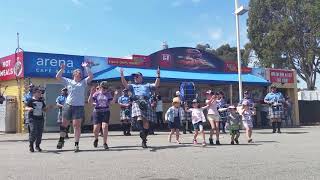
[[187, 91]]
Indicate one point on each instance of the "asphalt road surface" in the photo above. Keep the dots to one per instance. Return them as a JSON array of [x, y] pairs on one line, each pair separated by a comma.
[[294, 154]]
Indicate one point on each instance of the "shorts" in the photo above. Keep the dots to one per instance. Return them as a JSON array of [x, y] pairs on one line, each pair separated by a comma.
[[234, 132], [247, 124], [100, 117], [198, 126], [213, 117], [72, 112], [175, 124]]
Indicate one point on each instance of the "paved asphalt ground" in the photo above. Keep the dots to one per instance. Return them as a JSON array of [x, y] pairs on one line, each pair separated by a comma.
[[294, 154]]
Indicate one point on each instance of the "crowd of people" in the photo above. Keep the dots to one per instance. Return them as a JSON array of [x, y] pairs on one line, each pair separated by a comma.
[[140, 105]]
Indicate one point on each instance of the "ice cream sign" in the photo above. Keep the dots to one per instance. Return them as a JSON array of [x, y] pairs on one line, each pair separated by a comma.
[[11, 67], [47, 65]]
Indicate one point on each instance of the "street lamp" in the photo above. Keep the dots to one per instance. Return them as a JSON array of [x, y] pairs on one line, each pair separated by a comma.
[[238, 12]]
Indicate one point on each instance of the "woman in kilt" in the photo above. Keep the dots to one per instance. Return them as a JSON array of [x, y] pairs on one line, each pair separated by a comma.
[[141, 106], [275, 100]]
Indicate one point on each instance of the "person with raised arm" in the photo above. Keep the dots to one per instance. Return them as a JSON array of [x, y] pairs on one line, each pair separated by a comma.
[[73, 109], [141, 106]]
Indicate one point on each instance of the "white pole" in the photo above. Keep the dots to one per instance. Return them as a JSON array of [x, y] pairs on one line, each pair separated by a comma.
[[238, 51]]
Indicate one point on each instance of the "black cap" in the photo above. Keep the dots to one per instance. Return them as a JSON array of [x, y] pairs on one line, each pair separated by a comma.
[[64, 89], [137, 73]]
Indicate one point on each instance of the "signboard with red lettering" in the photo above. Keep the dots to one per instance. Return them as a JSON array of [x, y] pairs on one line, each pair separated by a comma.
[[230, 66], [136, 61], [11, 67], [281, 76]]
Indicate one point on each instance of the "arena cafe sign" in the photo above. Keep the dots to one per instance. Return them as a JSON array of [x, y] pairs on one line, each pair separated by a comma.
[[45, 65]]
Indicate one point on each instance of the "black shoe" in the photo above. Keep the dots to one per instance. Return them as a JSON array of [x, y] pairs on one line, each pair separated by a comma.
[[144, 144], [218, 142], [184, 132], [274, 131], [38, 148], [105, 146], [76, 148], [128, 134], [279, 132], [60, 144], [232, 142], [237, 141], [31, 149], [124, 133], [95, 143], [67, 136], [190, 132], [211, 141]]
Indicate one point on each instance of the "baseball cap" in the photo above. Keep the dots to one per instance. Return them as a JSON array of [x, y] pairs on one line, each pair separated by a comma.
[[195, 101], [232, 107], [136, 74]]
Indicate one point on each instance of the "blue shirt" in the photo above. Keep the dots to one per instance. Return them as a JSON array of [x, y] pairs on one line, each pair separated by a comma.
[[61, 100], [27, 97], [124, 100], [274, 97], [141, 89], [76, 91]]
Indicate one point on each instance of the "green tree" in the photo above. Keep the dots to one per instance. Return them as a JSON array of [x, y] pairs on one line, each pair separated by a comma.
[[227, 53], [286, 33]]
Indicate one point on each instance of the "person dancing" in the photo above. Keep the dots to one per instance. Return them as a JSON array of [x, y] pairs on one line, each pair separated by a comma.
[[141, 107], [73, 108]]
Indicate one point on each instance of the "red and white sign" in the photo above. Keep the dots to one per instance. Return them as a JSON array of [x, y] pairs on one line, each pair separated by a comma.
[[281, 76], [11, 67], [233, 67], [136, 61]]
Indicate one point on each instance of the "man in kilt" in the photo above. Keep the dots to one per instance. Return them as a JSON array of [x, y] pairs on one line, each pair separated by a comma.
[[125, 112], [141, 106], [275, 100]]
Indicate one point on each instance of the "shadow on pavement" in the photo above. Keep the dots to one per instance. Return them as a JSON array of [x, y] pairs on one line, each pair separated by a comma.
[[156, 148]]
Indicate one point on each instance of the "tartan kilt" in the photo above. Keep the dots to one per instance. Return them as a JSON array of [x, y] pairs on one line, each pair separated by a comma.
[[148, 114], [276, 112], [124, 116]]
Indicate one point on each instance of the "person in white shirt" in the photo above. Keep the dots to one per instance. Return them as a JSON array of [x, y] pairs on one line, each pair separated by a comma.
[[159, 111], [174, 117], [198, 119], [247, 114], [213, 116]]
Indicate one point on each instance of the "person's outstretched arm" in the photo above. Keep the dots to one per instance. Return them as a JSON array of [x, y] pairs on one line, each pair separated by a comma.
[[157, 82], [60, 72], [123, 80]]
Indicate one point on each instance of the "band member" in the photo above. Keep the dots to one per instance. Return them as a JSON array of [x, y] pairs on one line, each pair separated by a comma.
[[60, 102], [125, 112], [275, 101], [101, 113], [73, 108], [222, 108], [141, 107]]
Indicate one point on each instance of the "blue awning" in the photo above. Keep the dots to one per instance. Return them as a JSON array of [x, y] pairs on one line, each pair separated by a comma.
[[174, 76]]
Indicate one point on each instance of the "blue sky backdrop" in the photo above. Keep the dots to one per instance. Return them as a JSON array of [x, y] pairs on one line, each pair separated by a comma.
[[117, 28]]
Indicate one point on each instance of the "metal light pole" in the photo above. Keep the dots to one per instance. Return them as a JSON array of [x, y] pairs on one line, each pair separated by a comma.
[[239, 11]]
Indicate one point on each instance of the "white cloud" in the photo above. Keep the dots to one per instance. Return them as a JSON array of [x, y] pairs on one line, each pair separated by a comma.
[[215, 34]]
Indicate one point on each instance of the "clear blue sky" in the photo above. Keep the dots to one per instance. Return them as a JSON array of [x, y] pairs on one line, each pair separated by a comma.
[[116, 28]]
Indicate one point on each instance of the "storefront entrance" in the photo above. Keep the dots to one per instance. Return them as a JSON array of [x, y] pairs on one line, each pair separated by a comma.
[[52, 92]]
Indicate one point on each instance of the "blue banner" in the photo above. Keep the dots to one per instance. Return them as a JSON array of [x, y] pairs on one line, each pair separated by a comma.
[[47, 65]]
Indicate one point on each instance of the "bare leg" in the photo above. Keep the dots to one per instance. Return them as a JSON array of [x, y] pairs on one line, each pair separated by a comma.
[[105, 128], [77, 129]]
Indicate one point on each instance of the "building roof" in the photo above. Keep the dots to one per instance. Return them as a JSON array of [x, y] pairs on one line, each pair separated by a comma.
[[173, 76]]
